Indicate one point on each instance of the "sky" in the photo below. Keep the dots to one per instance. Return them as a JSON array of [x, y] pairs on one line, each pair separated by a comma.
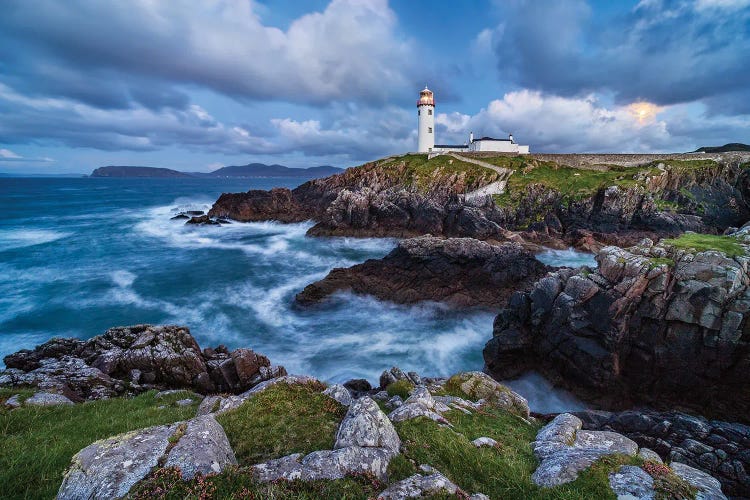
[[198, 85]]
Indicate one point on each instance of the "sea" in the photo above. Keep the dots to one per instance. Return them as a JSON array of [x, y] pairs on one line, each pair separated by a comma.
[[81, 255]]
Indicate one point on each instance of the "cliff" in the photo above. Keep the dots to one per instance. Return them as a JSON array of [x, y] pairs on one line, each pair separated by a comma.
[[665, 325]]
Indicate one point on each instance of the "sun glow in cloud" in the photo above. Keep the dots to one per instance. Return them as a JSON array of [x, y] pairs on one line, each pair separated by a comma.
[[645, 112]]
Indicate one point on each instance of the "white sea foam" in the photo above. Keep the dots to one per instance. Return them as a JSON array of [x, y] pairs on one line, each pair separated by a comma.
[[567, 258], [20, 238], [122, 278], [543, 397]]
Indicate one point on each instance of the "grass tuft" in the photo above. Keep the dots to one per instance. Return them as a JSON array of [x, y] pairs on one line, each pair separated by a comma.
[[281, 420], [38, 442], [400, 388], [703, 242]]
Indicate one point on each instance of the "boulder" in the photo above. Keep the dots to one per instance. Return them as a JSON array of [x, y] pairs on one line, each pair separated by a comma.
[[339, 393], [47, 399], [484, 442], [366, 425], [708, 487], [418, 486], [203, 448], [110, 467], [632, 483], [478, 385], [326, 464]]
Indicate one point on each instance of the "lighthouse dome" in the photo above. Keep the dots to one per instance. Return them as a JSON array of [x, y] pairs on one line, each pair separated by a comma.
[[426, 98]]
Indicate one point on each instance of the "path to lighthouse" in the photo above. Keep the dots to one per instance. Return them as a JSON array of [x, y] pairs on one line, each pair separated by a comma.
[[497, 187]]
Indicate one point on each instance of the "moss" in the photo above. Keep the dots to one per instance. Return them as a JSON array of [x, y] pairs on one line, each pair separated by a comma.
[[424, 175], [695, 242], [38, 442], [655, 262], [400, 468], [667, 484], [666, 205], [400, 388], [281, 420]]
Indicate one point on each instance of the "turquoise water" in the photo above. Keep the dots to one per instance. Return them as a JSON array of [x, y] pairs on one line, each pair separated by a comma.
[[78, 256]]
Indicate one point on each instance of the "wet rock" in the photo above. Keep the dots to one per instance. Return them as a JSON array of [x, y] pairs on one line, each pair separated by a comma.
[[366, 425], [203, 449], [203, 220], [47, 399], [418, 486], [110, 467], [459, 271]]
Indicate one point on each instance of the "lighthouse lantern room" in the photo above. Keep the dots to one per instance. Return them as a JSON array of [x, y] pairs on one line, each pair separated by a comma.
[[426, 114]]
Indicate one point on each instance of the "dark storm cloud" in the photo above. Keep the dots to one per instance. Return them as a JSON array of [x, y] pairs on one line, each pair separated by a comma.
[[664, 52]]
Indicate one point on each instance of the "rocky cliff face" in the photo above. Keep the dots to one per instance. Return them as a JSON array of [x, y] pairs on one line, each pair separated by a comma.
[[130, 360], [459, 271], [392, 197], [653, 324]]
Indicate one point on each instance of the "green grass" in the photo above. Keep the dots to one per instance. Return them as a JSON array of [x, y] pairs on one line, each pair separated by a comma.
[[655, 262], [502, 472], [38, 443], [702, 242], [424, 175], [400, 388], [238, 483], [281, 420]]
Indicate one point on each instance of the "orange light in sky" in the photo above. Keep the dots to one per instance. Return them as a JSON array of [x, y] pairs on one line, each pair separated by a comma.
[[643, 111]]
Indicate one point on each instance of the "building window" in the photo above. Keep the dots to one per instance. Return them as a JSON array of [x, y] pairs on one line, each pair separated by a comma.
[[429, 130], [429, 112]]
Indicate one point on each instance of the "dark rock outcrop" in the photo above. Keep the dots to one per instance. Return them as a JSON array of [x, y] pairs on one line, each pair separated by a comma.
[[721, 449], [458, 271], [652, 324], [278, 204], [130, 360]]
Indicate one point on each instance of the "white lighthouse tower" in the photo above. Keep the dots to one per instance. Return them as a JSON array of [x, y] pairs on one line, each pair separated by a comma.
[[426, 114]]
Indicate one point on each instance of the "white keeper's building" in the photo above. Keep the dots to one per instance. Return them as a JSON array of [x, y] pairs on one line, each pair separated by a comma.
[[426, 133]]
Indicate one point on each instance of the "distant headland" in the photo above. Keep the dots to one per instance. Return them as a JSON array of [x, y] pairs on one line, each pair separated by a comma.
[[236, 171]]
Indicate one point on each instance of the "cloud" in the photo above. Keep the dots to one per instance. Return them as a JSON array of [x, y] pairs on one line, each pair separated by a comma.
[[551, 123], [117, 54], [665, 52], [6, 155], [351, 132]]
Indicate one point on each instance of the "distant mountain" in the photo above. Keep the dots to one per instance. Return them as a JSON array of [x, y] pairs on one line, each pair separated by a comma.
[[127, 171], [238, 171], [263, 170], [733, 146]]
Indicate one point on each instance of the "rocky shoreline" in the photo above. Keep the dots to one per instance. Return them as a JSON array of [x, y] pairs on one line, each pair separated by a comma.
[[370, 435]]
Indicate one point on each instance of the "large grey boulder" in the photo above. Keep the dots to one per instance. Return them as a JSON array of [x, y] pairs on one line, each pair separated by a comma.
[[365, 424], [564, 450], [418, 486], [326, 464], [202, 449], [47, 399], [708, 487], [110, 467], [633, 483], [339, 393]]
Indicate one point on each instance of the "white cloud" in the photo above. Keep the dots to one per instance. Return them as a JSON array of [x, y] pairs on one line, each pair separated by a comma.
[[7, 154], [552, 123]]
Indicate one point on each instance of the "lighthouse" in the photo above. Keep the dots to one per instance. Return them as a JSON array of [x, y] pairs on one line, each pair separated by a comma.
[[426, 115]]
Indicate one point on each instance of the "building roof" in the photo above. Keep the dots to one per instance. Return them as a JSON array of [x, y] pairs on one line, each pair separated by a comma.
[[450, 146], [485, 138]]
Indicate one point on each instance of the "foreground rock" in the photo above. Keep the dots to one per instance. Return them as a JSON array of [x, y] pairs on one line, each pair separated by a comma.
[[653, 324], [130, 360], [564, 451], [717, 448], [459, 271]]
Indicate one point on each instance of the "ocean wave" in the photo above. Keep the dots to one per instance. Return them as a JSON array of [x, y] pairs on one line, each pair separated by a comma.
[[20, 238]]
